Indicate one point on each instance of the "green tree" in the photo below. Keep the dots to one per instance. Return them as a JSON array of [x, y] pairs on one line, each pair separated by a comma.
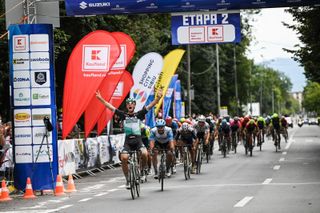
[[308, 28], [311, 100]]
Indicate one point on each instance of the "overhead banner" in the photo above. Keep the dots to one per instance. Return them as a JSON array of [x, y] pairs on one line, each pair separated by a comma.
[[205, 28], [168, 96], [88, 65], [170, 65], [109, 84], [95, 7], [177, 101], [145, 76], [121, 92], [32, 95]]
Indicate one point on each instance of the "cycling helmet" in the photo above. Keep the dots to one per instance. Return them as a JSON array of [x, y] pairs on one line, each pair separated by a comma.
[[185, 126], [130, 100], [201, 118], [275, 115], [251, 121], [224, 122], [160, 123], [168, 120], [182, 120], [235, 118]]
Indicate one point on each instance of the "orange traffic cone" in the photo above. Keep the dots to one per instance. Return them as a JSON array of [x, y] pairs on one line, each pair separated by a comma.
[[4, 192], [59, 190], [29, 192], [71, 187]]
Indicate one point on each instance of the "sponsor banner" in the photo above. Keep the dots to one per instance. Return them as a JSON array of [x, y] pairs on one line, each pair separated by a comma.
[[38, 135], [31, 61], [38, 114], [23, 154], [104, 153], [42, 155], [23, 136], [205, 27], [168, 97], [117, 142], [21, 97], [41, 96], [170, 65], [108, 86], [126, 81], [145, 75], [39, 60], [177, 101], [183, 109], [20, 43], [22, 117], [80, 157], [67, 161], [89, 64], [21, 79], [39, 42], [95, 7], [40, 78], [92, 148], [150, 117], [20, 61]]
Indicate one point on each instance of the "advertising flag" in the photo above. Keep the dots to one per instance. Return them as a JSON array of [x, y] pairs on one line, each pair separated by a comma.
[[109, 84], [170, 64], [150, 117], [145, 75], [177, 100], [168, 96], [88, 65], [121, 92]]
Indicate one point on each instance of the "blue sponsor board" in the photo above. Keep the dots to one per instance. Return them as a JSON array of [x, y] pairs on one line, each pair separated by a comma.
[[205, 27], [95, 7], [33, 98]]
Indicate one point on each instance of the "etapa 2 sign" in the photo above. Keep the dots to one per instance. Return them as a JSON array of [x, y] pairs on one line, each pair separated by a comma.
[[205, 27]]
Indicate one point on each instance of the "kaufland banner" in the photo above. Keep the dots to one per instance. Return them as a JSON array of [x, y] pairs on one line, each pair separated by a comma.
[[33, 98], [205, 27]]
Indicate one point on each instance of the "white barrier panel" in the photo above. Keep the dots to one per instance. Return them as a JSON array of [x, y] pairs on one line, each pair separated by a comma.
[[92, 151], [79, 152], [104, 153], [67, 163], [117, 142]]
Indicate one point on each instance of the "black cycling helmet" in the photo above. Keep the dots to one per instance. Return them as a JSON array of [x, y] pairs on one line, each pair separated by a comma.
[[130, 100]]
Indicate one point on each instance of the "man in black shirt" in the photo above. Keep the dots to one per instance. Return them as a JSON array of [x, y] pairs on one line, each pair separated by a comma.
[[131, 125]]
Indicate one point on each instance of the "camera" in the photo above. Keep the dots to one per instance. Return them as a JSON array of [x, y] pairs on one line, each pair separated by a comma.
[[47, 123]]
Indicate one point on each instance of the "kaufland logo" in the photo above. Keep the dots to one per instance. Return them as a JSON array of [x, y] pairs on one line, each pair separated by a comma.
[[83, 5], [95, 58], [20, 43]]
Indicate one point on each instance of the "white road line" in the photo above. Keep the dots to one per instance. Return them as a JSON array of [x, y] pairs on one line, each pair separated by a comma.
[[101, 194], [267, 181], [309, 140], [122, 186], [58, 209], [85, 199], [113, 190], [276, 167], [55, 201], [284, 153], [281, 159], [243, 202]]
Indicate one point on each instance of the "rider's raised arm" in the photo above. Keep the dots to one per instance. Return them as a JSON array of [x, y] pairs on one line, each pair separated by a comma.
[[155, 101], [104, 102]]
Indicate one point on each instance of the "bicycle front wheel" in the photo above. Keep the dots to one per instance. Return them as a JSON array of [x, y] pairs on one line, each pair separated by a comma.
[[132, 181]]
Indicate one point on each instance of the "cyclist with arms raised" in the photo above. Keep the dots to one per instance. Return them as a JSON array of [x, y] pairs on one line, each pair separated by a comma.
[[132, 125]]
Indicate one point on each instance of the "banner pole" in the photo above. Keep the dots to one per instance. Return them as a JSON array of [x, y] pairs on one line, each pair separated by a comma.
[[189, 79]]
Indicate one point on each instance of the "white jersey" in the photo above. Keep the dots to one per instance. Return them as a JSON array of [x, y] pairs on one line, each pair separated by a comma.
[[201, 129]]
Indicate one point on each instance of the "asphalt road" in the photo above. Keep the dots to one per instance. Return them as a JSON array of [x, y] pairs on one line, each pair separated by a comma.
[[285, 181]]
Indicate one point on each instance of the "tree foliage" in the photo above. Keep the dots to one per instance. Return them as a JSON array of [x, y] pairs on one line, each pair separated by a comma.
[[308, 29], [311, 100]]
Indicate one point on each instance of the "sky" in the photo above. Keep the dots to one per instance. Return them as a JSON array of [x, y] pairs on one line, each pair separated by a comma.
[[271, 36]]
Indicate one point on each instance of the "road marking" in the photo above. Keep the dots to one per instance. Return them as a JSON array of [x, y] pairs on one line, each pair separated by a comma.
[[281, 159], [122, 186], [284, 153], [243, 202], [101, 194], [55, 201], [267, 181], [113, 190], [276, 167], [85, 199], [94, 187], [309, 140], [58, 209]]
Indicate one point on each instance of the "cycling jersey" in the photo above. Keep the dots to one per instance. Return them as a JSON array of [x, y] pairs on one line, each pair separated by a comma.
[[261, 123], [161, 138], [284, 122], [235, 125], [251, 127], [225, 128], [275, 122], [201, 130], [188, 135]]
